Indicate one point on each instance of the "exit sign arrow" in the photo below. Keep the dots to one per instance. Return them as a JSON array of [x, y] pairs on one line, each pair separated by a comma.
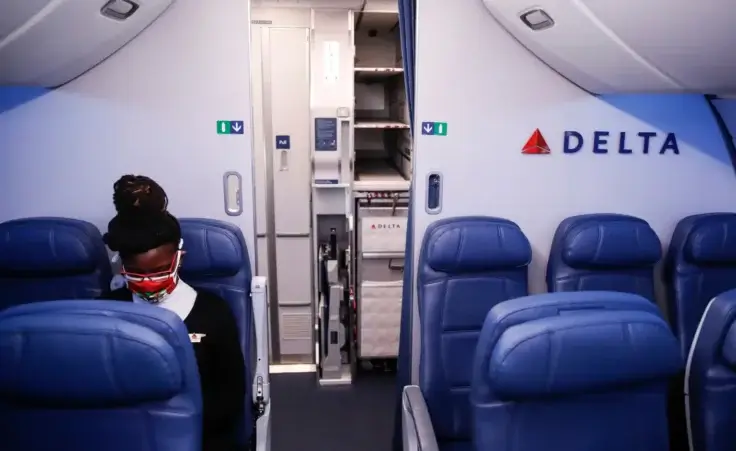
[[230, 127], [434, 128]]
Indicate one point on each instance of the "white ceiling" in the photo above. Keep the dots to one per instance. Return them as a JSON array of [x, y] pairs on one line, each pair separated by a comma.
[[632, 45]]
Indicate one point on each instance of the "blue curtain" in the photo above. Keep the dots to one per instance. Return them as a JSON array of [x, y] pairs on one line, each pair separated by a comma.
[[407, 20]]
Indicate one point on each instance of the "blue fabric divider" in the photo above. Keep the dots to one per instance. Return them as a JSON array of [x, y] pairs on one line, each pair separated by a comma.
[[407, 21]]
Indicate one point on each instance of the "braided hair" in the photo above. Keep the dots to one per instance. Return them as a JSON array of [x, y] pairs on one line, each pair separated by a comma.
[[142, 222]]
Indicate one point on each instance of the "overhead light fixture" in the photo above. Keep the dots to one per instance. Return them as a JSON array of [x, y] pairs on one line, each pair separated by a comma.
[[537, 19]]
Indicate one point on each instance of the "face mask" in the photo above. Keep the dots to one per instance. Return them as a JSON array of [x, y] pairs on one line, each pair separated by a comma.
[[155, 287]]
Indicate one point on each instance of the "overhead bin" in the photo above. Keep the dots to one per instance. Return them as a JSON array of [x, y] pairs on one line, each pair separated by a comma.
[[49, 42], [620, 46]]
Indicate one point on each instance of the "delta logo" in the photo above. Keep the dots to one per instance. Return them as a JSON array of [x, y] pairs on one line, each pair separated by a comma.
[[385, 226], [603, 142]]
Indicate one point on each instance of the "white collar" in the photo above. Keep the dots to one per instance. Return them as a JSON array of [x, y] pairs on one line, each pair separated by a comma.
[[180, 301]]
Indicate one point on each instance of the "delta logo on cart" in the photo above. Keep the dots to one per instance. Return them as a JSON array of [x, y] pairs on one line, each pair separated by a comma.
[[605, 142], [385, 226]]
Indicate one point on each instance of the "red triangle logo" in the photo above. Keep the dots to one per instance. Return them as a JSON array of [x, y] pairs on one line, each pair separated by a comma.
[[536, 145]]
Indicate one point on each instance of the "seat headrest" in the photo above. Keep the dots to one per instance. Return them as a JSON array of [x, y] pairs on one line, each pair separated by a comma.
[[610, 241], [49, 247], [582, 353], [90, 354], [213, 249], [712, 240], [475, 244]]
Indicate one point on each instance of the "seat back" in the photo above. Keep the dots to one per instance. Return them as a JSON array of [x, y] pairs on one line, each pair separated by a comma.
[[466, 266], [539, 306], [217, 260], [97, 375], [43, 259], [700, 264], [587, 379], [608, 252], [710, 377]]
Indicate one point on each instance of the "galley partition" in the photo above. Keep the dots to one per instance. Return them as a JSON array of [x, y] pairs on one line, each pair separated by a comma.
[[407, 22]]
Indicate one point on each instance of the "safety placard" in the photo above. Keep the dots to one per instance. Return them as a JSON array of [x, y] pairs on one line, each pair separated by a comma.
[[434, 128], [230, 127]]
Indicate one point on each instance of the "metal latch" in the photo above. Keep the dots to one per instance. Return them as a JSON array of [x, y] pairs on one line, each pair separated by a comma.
[[260, 406]]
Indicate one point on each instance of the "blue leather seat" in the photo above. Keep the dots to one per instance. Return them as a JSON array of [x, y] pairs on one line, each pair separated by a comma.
[[608, 252], [43, 259], [710, 379], [89, 375], [466, 266], [538, 306], [581, 380], [217, 261], [700, 264]]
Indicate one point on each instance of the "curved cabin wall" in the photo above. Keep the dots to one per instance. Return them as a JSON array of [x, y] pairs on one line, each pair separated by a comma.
[[151, 108], [660, 157], [608, 46], [47, 43]]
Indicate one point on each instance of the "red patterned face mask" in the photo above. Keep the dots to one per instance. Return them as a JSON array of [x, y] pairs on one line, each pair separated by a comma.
[[154, 287]]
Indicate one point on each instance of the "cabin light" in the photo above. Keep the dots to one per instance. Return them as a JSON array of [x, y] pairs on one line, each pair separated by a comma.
[[537, 19]]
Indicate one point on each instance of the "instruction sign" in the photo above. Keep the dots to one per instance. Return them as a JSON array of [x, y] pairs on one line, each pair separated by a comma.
[[230, 127], [325, 133], [283, 142], [434, 128]]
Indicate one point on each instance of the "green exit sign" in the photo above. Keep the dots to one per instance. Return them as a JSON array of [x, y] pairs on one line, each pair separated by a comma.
[[434, 128], [230, 127]]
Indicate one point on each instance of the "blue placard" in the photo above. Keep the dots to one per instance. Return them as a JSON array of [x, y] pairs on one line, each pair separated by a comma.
[[427, 128], [283, 142], [237, 127], [325, 133]]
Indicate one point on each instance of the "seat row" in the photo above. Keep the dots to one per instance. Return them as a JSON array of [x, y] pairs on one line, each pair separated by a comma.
[[471, 266], [59, 260]]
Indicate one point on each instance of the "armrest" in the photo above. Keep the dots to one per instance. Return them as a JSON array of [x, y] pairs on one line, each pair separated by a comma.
[[416, 425], [259, 298], [261, 380]]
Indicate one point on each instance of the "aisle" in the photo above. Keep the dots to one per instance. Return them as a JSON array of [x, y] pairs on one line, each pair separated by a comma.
[[306, 417]]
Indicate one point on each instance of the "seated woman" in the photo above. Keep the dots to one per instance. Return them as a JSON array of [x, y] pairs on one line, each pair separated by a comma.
[[148, 241]]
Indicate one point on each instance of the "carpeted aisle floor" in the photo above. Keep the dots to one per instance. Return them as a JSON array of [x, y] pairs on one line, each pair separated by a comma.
[[307, 417]]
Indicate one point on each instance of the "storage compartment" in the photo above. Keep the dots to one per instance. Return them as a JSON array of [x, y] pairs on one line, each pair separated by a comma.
[[382, 230], [381, 239], [380, 317], [382, 141]]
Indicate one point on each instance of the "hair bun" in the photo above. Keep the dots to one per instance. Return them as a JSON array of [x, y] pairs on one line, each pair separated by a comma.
[[138, 195]]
